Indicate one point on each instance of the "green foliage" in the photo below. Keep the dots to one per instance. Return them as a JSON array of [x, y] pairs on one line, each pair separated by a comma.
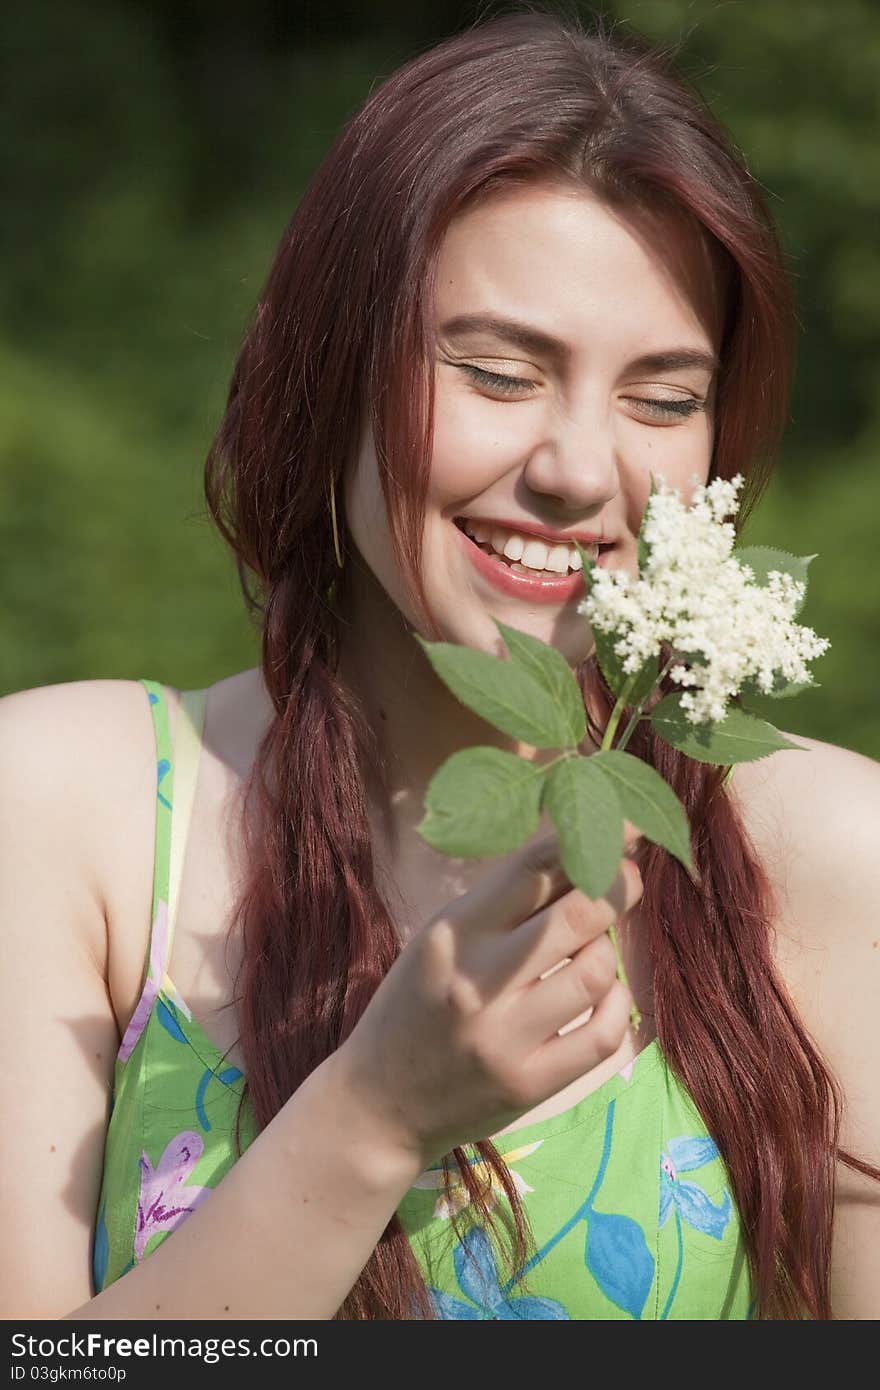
[[482, 801], [649, 802], [764, 559], [739, 738], [633, 686], [585, 810], [531, 696], [554, 675]]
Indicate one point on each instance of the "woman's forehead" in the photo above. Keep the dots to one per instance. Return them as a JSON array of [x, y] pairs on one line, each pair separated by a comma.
[[566, 257]]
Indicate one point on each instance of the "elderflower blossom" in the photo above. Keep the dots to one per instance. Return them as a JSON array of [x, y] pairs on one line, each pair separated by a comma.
[[695, 595]]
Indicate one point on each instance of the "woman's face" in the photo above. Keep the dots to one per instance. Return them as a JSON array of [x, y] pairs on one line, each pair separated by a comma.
[[557, 425]]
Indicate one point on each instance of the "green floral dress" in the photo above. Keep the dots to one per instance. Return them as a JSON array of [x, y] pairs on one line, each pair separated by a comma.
[[626, 1194]]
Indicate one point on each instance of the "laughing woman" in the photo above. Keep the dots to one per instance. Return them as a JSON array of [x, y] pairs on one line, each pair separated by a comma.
[[274, 1057]]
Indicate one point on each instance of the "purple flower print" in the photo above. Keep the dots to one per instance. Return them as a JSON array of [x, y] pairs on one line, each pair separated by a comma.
[[164, 1199], [158, 953]]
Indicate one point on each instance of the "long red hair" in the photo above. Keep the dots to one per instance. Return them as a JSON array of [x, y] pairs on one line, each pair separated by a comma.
[[344, 327]]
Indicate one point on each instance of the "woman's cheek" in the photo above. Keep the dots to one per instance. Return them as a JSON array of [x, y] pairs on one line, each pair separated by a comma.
[[677, 453], [471, 448]]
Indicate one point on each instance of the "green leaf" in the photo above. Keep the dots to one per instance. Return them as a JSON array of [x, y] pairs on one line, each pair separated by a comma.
[[502, 692], [649, 802], [482, 801], [782, 689], [550, 669], [764, 558], [645, 681], [584, 807], [739, 738], [610, 664]]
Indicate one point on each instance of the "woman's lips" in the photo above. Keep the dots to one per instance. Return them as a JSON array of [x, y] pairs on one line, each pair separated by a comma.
[[563, 588]]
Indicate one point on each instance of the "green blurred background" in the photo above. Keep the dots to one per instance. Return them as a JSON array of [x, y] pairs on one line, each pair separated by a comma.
[[154, 154]]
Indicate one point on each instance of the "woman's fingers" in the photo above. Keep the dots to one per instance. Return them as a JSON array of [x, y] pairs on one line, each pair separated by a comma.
[[511, 891], [549, 1004], [558, 931], [558, 1061]]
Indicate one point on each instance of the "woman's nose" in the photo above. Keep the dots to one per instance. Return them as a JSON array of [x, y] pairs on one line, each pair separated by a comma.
[[576, 462]]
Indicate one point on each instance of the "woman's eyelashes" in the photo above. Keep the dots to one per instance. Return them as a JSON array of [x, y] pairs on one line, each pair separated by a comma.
[[496, 381], [681, 408]]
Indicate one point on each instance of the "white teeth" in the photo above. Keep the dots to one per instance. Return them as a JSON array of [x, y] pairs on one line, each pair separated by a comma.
[[526, 552], [558, 559], [512, 548], [534, 557]]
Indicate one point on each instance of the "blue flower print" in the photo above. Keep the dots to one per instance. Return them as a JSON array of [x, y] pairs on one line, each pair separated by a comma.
[[477, 1276], [690, 1201], [163, 767]]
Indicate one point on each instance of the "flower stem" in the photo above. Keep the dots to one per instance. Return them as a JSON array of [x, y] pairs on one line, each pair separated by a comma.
[[635, 1016], [617, 715], [637, 712], [607, 742]]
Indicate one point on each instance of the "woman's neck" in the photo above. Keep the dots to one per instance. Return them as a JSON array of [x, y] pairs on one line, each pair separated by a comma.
[[417, 720]]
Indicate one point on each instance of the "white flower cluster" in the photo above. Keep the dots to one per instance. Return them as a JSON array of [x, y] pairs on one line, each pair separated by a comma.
[[696, 596]]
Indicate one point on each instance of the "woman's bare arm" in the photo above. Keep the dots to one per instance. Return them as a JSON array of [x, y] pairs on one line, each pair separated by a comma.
[[815, 819], [289, 1229]]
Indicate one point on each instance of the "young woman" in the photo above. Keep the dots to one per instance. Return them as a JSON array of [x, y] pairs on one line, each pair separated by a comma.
[[369, 1081]]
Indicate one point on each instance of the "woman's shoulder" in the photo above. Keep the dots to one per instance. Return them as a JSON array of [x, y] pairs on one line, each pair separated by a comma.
[[78, 775], [69, 754], [812, 813], [84, 754], [74, 736], [89, 746], [57, 724]]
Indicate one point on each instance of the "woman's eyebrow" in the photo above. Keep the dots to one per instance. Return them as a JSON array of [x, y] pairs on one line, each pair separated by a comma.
[[522, 335], [525, 335]]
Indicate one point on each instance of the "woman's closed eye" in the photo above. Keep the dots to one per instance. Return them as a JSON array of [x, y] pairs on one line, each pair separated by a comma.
[[682, 407], [497, 381]]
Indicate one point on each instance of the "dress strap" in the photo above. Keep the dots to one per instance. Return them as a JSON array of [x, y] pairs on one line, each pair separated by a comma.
[[176, 770], [159, 912]]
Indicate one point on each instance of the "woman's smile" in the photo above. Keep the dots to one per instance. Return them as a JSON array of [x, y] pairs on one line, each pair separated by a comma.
[[537, 584]]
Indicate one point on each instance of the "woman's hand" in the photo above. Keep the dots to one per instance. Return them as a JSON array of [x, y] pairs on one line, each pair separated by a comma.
[[461, 1037]]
